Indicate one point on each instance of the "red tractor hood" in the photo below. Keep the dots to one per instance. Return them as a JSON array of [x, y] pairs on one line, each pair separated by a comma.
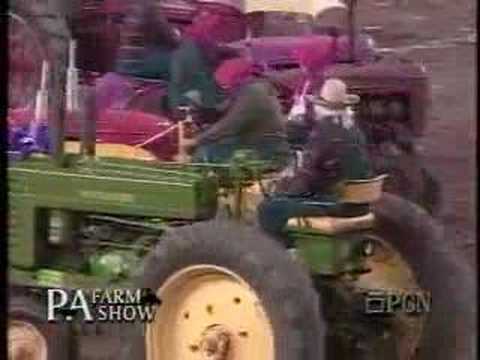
[[278, 51], [281, 53]]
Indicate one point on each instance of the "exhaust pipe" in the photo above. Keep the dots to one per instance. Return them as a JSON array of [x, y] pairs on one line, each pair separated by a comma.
[[56, 122], [41, 102], [64, 82], [81, 101], [72, 79]]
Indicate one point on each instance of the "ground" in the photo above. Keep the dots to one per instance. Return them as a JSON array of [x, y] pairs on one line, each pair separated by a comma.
[[442, 35]]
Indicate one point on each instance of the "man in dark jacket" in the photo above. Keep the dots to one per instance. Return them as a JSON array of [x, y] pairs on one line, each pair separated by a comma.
[[250, 118], [193, 64], [334, 153], [152, 61]]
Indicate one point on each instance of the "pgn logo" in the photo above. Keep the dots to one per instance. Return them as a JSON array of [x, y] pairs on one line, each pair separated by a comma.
[[389, 303]]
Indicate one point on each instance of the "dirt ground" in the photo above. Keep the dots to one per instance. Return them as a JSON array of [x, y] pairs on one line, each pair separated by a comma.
[[442, 35]]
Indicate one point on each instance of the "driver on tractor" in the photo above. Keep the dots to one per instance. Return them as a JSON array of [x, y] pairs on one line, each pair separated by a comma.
[[150, 62], [193, 65], [335, 152], [250, 118]]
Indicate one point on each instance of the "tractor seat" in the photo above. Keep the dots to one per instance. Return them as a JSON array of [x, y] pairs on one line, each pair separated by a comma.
[[353, 193]]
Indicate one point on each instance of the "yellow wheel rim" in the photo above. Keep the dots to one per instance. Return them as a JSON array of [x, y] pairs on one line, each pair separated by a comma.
[[25, 342], [390, 272], [209, 313]]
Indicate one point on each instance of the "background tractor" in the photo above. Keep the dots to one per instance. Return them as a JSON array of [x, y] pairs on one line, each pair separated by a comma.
[[228, 289], [395, 92]]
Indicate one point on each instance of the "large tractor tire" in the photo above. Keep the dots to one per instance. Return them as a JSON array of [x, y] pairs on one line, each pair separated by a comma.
[[227, 287], [432, 196], [411, 179], [410, 257], [37, 31], [30, 336], [450, 330]]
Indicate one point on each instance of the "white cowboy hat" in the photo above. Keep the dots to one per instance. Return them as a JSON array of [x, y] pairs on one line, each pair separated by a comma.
[[334, 95]]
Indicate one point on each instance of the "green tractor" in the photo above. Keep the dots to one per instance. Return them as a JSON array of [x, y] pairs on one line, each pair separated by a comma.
[[228, 290]]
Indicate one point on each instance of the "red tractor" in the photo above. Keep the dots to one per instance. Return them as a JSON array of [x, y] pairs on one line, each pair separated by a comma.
[[395, 92]]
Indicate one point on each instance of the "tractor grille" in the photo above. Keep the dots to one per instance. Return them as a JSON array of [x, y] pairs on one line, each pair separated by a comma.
[[384, 118]]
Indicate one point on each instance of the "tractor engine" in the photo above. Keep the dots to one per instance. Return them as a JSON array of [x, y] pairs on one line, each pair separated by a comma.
[[86, 216]]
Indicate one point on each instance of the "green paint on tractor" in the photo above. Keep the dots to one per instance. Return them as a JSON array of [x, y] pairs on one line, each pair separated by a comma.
[[112, 187], [327, 255], [48, 202]]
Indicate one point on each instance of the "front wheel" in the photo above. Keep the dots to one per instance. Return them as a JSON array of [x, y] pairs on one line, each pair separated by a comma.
[[228, 292], [31, 337]]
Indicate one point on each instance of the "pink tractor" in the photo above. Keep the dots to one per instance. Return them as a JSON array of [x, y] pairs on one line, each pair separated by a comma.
[[103, 30]]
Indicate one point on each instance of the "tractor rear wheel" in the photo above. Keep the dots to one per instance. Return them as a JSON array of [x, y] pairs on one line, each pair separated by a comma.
[[409, 256], [432, 197], [362, 323], [225, 287], [411, 179], [31, 337], [449, 331]]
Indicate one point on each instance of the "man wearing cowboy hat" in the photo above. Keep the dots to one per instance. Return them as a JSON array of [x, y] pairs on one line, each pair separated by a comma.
[[335, 152]]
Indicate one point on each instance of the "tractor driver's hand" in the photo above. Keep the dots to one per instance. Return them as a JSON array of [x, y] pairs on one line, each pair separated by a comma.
[[189, 145]]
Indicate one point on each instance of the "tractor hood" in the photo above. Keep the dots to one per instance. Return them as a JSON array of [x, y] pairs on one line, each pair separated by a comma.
[[273, 52], [280, 53]]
